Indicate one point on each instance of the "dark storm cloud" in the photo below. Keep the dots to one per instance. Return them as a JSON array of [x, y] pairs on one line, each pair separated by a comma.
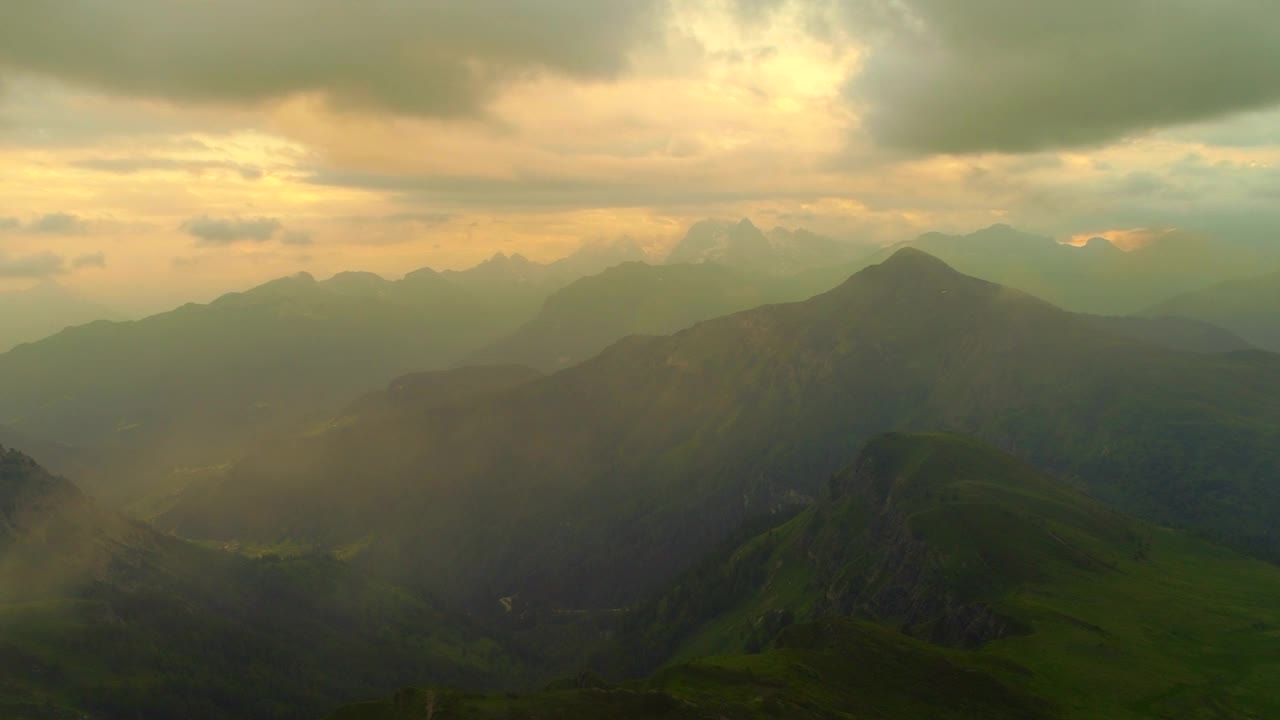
[[429, 57], [944, 76], [228, 231]]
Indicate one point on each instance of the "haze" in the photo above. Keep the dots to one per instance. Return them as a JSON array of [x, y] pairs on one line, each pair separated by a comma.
[[683, 359]]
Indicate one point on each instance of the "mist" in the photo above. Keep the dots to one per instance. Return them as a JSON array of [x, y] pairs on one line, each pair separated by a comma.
[[514, 359]]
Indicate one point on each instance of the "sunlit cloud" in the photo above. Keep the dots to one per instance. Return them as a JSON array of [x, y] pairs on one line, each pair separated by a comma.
[[639, 120]]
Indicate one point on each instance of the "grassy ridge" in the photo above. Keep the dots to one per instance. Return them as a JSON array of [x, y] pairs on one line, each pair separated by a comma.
[[1113, 617]]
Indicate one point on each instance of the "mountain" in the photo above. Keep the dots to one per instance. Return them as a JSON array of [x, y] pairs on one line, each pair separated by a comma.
[[1096, 278], [742, 245], [42, 310], [183, 389], [102, 616], [502, 271], [1247, 306], [174, 396], [592, 486], [588, 315], [1025, 599], [634, 298]]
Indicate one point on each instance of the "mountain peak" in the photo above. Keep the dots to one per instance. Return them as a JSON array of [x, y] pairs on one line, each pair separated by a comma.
[[911, 260]]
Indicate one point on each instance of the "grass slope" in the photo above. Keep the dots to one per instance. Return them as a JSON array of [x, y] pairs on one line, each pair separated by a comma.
[[953, 542]]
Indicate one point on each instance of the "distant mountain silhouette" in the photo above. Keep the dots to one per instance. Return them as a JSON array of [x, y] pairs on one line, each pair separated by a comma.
[[742, 245], [1248, 306], [592, 313], [176, 393]]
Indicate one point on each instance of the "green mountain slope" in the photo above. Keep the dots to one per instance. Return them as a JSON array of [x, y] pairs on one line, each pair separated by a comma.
[[1249, 307], [1026, 599], [101, 616], [592, 486], [961, 545]]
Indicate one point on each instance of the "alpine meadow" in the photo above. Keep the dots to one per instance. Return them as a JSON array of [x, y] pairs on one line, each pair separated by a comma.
[[611, 359]]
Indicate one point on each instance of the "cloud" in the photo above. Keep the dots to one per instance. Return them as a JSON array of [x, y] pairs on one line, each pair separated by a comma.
[[1013, 76], [537, 191], [443, 58], [89, 260], [50, 224], [425, 218], [228, 231], [37, 265], [132, 165], [296, 237], [57, 224]]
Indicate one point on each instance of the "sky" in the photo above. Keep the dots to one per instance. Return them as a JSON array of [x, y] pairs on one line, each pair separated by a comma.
[[154, 152]]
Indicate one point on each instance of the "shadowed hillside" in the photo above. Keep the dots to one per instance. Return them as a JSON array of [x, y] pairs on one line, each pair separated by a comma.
[[105, 616]]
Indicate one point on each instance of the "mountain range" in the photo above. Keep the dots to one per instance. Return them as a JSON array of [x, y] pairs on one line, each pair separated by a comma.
[[742, 245], [592, 486], [175, 393], [674, 514]]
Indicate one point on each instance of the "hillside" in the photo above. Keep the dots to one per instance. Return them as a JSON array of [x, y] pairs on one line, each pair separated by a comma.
[[101, 616], [592, 486], [1026, 599], [1247, 306]]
